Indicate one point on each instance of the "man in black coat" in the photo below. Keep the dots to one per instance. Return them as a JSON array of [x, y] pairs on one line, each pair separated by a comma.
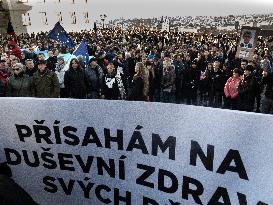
[[267, 101], [216, 85], [10, 192], [179, 68], [246, 90], [51, 61], [191, 82]]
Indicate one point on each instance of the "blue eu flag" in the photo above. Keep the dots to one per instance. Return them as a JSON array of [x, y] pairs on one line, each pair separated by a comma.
[[82, 50], [59, 34]]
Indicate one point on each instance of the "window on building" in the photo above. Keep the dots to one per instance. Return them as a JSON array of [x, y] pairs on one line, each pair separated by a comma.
[[60, 17], [86, 17], [44, 18], [73, 18], [26, 19], [22, 1]]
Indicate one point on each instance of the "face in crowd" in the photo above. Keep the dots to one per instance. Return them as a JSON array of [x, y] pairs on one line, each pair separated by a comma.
[[41, 57], [93, 63], [2, 65], [29, 64], [42, 67], [247, 37], [247, 72], [216, 66], [17, 68], [137, 68], [243, 65], [60, 61], [110, 68], [167, 62], [50, 53], [74, 64], [193, 65], [14, 61]]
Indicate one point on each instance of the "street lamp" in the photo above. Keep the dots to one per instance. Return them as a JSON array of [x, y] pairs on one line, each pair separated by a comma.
[[102, 18]]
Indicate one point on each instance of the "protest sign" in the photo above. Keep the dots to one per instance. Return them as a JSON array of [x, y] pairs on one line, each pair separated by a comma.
[[81, 152], [247, 43]]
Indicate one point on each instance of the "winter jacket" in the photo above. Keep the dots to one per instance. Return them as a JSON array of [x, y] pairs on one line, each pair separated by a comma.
[[268, 82], [45, 85], [231, 87], [59, 70], [168, 79], [191, 78], [216, 81], [75, 83], [137, 93], [203, 83], [51, 63], [94, 78], [110, 87], [3, 83], [246, 93], [20, 86]]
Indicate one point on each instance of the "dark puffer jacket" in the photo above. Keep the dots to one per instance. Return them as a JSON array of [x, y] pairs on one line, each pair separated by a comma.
[[75, 83], [246, 93], [268, 82]]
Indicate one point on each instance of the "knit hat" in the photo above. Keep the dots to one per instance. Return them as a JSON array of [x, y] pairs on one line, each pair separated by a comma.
[[249, 68]]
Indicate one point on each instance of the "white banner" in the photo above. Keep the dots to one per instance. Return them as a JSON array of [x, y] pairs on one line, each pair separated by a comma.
[[111, 152]]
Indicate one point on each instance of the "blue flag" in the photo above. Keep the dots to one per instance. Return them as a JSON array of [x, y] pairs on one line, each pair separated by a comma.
[[82, 50], [59, 34]]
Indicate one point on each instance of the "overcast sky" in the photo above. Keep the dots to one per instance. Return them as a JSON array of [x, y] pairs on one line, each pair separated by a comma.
[[155, 8]]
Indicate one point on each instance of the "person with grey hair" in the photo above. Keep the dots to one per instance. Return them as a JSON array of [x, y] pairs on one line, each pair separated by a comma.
[[19, 85], [60, 72]]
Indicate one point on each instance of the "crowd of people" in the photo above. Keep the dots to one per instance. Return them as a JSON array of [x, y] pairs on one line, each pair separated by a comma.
[[141, 64], [221, 22]]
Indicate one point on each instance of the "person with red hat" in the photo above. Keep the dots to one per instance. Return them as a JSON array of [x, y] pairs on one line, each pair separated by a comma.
[[14, 49]]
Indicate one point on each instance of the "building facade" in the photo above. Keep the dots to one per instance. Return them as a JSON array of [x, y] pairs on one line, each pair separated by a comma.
[[41, 15], [13, 10]]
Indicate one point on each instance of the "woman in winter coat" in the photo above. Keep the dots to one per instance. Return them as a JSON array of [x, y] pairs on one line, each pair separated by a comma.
[[150, 68], [231, 90], [19, 85], [140, 85], [168, 84], [204, 84], [75, 80]]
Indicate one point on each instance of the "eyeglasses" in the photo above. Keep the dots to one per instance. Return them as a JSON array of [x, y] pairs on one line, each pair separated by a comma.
[[16, 69]]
